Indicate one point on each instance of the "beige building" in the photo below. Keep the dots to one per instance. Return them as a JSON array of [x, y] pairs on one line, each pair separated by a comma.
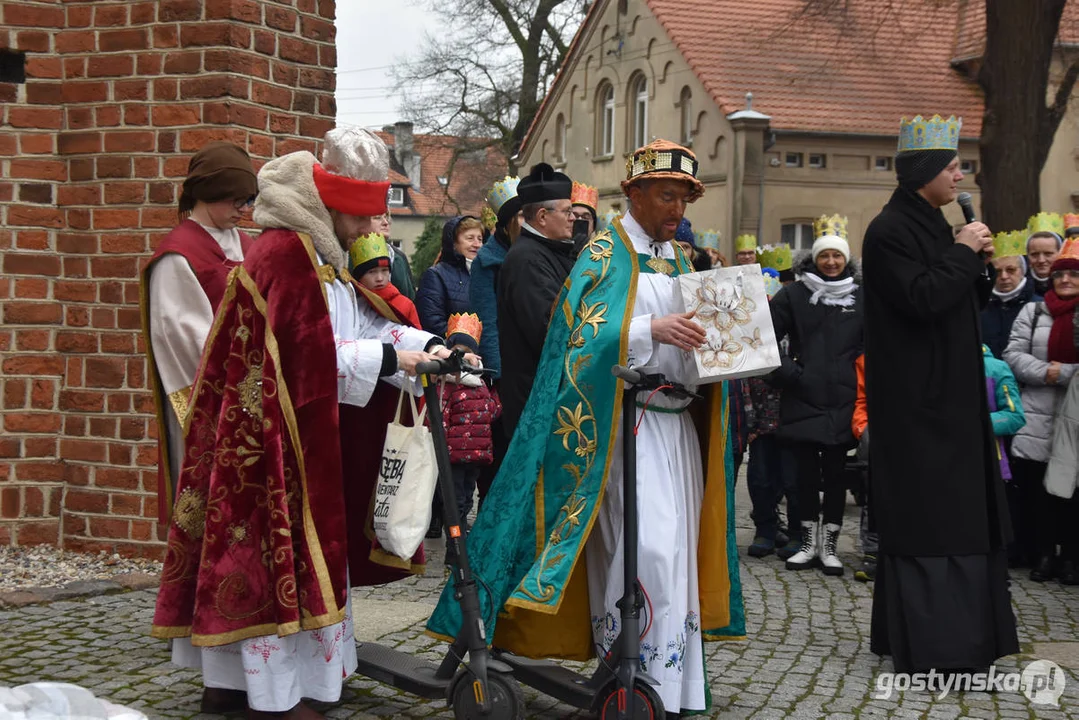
[[791, 116]]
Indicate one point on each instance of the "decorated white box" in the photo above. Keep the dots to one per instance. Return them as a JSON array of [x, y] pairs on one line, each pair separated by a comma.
[[732, 307]]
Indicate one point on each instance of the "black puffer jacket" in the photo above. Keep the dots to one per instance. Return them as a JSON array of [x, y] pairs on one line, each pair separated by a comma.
[[444, 286], [817, 377]]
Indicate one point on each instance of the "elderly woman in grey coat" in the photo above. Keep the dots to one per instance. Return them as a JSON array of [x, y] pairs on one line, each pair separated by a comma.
[[1042, 352]]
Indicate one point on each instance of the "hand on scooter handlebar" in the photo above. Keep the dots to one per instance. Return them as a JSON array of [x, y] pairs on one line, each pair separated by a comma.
[[456, 363], [653, 381]]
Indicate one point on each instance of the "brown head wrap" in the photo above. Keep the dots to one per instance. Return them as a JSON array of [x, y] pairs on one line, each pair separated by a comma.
[[219, 171]]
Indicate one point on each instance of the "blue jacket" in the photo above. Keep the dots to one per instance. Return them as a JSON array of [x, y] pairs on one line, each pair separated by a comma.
[[998, 316], [483, 297], [1008, 418], [444, 286]]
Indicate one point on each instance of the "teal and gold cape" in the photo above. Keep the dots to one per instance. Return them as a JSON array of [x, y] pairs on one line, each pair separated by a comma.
[[532, 528]]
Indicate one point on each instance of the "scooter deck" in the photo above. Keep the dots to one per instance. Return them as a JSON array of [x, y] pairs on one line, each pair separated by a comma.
[[400, 670], [550, 679]]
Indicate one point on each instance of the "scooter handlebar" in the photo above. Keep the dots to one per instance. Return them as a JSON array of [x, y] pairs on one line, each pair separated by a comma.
[[450, 366], [627, 374], [431, 367]]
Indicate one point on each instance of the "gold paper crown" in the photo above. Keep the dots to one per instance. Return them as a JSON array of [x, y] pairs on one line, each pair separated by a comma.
[[936, 133], [708, 239], [1046, 222], [586, 195], [777, 257], [464, 324], [1071, 221], [663, 159], [503, 190], [745, 242], [488, 218], [366, 248], [1009, 244], [830, 225]]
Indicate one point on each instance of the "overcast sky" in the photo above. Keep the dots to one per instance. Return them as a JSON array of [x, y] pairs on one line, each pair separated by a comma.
[[373, 35]]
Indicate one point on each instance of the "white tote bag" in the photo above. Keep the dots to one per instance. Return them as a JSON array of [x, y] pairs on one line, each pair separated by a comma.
[[406, 484]]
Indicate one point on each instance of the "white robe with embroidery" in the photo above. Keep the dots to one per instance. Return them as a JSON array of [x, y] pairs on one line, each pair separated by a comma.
[[670, 490], [277, 672]]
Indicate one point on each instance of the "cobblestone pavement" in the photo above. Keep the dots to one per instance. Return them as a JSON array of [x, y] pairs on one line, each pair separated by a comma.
[[807, 655]]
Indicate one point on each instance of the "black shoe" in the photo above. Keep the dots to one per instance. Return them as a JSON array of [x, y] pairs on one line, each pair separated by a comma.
[[435, 530], [1069, 575], [1046, 569], [782, 538], [220, 701]]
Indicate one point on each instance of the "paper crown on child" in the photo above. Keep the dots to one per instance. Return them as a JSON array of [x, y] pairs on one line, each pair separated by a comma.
[[771, 282], [586, 195], [708, 239], [464, 329], [1046, 222], [745, 242], [1009, 244], [1068, 259], [834, 225], [777, 257], [368, 252], [1071, 223], [936, 133]]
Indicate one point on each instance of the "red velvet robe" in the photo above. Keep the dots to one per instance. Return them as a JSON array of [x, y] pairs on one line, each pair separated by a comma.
[[211, 268]]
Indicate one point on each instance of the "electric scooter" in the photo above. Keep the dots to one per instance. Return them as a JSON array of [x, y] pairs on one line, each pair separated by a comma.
[[618, 688], [474, 685]]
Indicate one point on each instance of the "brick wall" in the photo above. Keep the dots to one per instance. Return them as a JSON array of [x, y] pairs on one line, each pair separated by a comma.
[[93, 147]]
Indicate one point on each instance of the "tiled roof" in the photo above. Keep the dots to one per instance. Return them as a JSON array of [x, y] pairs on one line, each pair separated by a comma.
[[469, 176], [852, 71]]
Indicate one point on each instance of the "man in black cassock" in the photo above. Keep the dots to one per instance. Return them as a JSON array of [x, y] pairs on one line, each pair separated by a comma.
[[532, 275], [941, 600]]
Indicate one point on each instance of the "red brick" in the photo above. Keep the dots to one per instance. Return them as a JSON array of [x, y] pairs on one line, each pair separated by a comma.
[[67, 195], [297, 50], [44, 68], [149, 64], [107, 116], [7, 145], [186, 114], [113, 167], [32, 313], [78, 143], [132, 429], [121, 479], [78, 219], [239, 37], [79, 16], [15, 394], [110, 66], [74, 67], [43, 471], [80, 118], [316, 29], [209, 86], [125, 243], [260, 145], [25, 264], [10, 504], [33, 502], [179, 10], [119, 403], [105, 219], [146, 456], [266, 94], [129, 319], [166, 36], [111, 293], [82, 401], [32, 422], [40, 447], [74, 426], [86, 501], [125, 90], [10, 448], [110, 16], [265, 42], [68, 243], [76, 316], [280, 18], [142, 530], [285, 73], [249, 116], [315, 127], [34, 216], [36, 365], [104, 527], [143, 13], [37, 533], [36, 15], [74, 291], [33, 41], [129, 141], [162, 193], [327, 56], [37, 143], [76, 342], [88, 91], [157, 218], [149, 167], [119, 454], [103, 427], [117, 40], [30, 289], [38, 193], [44, 93], [43, 394], [303, 102], [102, 372], [123, 504], [83, 450], [136, 115], [184, 62]]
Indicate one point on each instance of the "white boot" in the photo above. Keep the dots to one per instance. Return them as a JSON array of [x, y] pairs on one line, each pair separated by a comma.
[[807, 555], [829, 560]]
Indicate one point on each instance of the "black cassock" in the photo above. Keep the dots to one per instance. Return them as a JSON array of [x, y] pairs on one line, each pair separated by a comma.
[[941, 598], [532, 275]]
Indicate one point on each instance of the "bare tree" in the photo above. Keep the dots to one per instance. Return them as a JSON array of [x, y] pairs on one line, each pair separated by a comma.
[[487, 70], [1021, 41]]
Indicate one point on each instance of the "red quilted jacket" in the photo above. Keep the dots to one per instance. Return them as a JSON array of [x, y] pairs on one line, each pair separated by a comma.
[[467, 413]]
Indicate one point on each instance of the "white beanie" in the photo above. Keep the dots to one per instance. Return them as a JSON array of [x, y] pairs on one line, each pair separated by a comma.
[[831, 242]]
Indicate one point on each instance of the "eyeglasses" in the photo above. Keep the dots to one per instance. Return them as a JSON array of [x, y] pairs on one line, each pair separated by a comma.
[[1070, 274], [241, 204], [568, 212]]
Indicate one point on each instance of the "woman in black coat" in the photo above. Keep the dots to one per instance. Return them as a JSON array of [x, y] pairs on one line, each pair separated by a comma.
[[444, 286], [821, 314]]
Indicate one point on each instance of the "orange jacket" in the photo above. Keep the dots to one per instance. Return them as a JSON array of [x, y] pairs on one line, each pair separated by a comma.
[[860, 419]]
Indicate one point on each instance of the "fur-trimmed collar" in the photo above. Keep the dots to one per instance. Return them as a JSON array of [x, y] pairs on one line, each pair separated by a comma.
[[289, 199]]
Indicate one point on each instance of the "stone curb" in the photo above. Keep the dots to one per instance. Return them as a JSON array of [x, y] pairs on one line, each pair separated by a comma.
[[122, 582]]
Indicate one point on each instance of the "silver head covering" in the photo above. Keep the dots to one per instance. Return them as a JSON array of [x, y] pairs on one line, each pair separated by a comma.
[[356, 153]]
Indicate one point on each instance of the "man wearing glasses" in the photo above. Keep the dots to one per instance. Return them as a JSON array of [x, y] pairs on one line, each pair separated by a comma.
[[533, 273]]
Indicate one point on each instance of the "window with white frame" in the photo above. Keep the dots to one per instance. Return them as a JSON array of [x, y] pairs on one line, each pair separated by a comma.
[[396, 196], [818, 161], [798, 234], [882, 162], [640, 112], [793, 159], [968, 167], [605, 120], [685, 104]]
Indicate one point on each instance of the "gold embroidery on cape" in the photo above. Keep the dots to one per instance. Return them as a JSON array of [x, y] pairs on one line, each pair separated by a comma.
[[576, 426], [326, 274], [250, 391], [232, 593], [179, 401], [660, 265], [190, 512]]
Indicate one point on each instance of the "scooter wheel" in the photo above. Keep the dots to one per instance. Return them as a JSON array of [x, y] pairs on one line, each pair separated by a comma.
[[647, 704], [507, 700]]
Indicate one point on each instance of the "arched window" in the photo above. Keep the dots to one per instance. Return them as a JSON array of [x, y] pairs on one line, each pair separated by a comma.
[[685, 104], [560, 138], [639, 119], [605, 120]]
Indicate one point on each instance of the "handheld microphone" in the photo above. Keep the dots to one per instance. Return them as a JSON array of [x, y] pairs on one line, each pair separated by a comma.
[[964, 201]]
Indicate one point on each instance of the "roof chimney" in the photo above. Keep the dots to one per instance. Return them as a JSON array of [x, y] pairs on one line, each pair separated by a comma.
[[405, 153]]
